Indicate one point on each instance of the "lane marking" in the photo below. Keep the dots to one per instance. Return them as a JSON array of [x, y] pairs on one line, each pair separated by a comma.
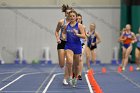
[[37, 91], [60, 92], [13, 74], [51, 80], [130, 80], [18, 79], [89, 86], [12, 82], [27, 73], [7, 73], [46, 88], [34, 91], [127, 78], [18, 91]]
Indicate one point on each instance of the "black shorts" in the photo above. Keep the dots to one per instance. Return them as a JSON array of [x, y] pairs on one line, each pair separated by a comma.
[[92, 47], [61, 45]]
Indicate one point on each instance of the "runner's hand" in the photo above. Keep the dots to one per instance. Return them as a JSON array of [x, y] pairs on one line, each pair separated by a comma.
[[58, 41]]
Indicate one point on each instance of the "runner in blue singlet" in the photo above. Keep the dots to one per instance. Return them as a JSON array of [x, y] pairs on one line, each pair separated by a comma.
[[74, 31], [93, 39]]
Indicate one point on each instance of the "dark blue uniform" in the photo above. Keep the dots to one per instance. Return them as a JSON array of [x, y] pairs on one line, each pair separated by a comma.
[[73, 42], [91, 39]]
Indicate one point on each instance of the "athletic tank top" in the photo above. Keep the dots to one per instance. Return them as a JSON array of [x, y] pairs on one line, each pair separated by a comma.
[[91, 39], [71, 37], [128, 37], [138, 41]]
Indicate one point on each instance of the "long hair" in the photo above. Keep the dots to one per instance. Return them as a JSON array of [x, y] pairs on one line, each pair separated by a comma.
[[66, 7]]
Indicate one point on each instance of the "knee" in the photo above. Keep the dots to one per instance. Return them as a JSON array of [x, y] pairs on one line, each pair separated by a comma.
[[69, 64], [87, 57]]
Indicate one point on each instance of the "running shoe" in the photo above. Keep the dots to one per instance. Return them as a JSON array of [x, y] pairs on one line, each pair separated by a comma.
[[138, 68], [123, 68], [74, 82], [65, 82], [71, 81]]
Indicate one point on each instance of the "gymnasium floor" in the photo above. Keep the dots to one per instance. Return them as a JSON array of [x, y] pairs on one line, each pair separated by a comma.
[[47, 78]]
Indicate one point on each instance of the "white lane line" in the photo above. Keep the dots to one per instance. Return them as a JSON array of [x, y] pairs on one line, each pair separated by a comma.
[[18, 91], [27, 73], [12, 82], [7, 73], [130, 80], [14, 74], [89, 86], [127, 78], [60, 91], [33, 91], [46, 88], [46, 79], [32, 73], [24, 72]]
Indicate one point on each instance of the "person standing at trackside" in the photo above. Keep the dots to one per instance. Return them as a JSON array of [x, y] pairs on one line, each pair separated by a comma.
[[127, 38], [137, 50], [79, 20], [93, 39], [61, 41], [73, 31]]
